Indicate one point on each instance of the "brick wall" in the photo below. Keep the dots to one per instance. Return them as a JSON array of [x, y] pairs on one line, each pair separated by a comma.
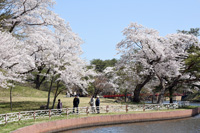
[[105, 120]]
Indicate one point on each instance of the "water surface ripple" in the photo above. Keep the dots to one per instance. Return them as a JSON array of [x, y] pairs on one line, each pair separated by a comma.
[[187, 125]]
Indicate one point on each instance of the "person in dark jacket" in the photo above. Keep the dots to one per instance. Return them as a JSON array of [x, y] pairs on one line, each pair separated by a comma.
[[59, 106], [97, 104], [75, 104]]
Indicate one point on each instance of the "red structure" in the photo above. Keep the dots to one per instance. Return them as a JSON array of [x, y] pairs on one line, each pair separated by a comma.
[[118, 95], [142, 94]]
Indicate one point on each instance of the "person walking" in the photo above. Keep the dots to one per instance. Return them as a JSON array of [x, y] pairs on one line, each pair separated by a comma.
[[59, 106], [97, 104], [75, 104], [92, 104]]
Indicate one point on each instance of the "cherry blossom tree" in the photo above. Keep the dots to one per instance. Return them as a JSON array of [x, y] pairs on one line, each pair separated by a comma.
[[13, 61], [26, 14], [154, 56], [46, 42], [29, 12], [176, 67], [140, 50]]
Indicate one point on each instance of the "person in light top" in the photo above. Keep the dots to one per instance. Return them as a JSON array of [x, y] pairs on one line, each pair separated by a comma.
[[92, 104]]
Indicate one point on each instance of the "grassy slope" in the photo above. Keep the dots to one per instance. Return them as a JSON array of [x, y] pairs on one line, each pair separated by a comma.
[[27, 98], [24, 98]]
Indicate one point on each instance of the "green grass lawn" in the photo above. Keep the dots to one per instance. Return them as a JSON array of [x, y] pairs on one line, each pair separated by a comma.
[[27, 98]]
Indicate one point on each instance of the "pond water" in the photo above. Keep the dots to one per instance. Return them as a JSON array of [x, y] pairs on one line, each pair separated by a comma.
[[191, 103], [194, 104], [187, 125]]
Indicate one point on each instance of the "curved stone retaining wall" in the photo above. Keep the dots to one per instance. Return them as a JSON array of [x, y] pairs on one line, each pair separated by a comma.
[[67, 124]]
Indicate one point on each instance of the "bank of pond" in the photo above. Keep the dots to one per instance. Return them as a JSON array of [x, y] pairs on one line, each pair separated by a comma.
[[80, 123], [185, 125]]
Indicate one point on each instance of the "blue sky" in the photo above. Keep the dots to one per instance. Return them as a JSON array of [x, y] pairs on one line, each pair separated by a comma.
[[100, 22]]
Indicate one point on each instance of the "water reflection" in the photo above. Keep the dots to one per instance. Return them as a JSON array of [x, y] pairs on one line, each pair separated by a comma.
[[194, 104], [188, 125], [191, 103]]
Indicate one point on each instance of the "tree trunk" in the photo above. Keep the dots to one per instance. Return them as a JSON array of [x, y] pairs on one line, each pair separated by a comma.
[[55, 96], [171, 86], [49, 92], [11, 98], [161, 96], [37, 82], [171, 95], [162, 90], [139, 87], [136, 97], [125, 94], [175, 82], [153, 97]]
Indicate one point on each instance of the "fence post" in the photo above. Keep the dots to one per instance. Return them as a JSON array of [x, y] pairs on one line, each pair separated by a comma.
[[173, 106], [49, 114], [34, 115], [107, 108], [144, 107], [78, 113], [67, 112], [87, 112], [6, 118], [19, 116], [126, 108]]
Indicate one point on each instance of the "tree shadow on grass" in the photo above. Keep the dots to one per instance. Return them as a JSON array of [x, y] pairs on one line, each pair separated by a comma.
[[20, 106]]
